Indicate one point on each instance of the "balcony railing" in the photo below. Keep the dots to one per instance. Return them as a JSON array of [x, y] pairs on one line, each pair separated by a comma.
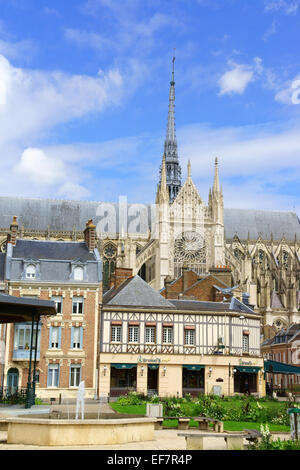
[[24, 354]]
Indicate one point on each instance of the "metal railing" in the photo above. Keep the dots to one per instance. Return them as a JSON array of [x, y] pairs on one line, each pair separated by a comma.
[[12, 395]]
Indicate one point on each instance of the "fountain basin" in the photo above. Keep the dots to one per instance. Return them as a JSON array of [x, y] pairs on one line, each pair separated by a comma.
[[69, 432]]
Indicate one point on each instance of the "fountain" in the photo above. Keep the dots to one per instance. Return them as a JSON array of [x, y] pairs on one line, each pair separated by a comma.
[[98, 426]]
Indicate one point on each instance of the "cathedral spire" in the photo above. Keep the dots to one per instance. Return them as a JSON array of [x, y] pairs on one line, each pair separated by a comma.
[[216, 186], [173, 170]]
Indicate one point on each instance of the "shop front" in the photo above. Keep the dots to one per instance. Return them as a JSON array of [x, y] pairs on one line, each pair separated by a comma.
[[246, 379], [123, 378], [193, 379]]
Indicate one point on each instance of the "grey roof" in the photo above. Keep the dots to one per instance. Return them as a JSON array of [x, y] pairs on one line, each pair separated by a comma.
[[136, 292], [60, 215], [197, 305], [40, 249], [261, 223]]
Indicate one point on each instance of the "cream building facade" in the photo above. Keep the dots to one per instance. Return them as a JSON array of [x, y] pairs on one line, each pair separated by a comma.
[[166, 347]]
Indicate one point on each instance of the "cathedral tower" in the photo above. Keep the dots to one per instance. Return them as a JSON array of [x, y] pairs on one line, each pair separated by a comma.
[[173, 169]]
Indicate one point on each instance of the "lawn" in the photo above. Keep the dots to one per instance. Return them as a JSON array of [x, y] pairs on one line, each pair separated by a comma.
[[228, 425]]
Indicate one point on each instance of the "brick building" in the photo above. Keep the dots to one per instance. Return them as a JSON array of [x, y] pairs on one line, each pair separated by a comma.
[[70, 274], [283, 349]]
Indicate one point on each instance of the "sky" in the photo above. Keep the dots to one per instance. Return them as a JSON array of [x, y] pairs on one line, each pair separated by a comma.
[[84, 87]]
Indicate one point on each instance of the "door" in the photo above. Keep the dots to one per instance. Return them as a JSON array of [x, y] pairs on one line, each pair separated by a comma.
[[152, 383], [12, 381]]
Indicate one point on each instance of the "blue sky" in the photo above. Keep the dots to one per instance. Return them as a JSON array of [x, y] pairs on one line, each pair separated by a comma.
[[84, 97]]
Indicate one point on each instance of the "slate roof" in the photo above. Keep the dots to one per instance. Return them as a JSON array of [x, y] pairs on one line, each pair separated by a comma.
[[136, 292], [55, 250], [60, 215], [260, 222], [197, 305]]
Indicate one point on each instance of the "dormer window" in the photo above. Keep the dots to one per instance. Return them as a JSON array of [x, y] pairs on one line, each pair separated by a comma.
[[30, 271], [78, 273]]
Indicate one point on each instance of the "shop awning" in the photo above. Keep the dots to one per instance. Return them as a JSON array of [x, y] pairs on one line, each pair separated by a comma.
[[153, 366], [248, 369], [193, 367], [123, 366], [275, 367]]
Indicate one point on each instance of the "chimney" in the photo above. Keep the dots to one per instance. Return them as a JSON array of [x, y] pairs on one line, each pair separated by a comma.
[[90, 235], [185, 279], [167, 282], [121, 275], [12, 235]]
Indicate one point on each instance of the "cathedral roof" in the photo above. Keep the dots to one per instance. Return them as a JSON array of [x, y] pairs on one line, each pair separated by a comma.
[[63, 215], [255, 223]]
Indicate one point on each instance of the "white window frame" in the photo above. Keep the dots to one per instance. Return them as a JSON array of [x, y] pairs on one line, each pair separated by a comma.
[[58, 301], [54, 344], [150, 333], [189, 337], [116, 333], [31, 271], [75, 376], [54, 376], [77, 301], [133, 334], [78, 273], [167, 335], [76, 344]]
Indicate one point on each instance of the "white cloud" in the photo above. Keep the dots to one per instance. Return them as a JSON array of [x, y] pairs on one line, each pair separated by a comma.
[[289, 7], [37, 168], [35, 101], [236, 80]]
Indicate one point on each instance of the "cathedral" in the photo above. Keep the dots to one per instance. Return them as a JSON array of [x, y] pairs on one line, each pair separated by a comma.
[[179, 230]]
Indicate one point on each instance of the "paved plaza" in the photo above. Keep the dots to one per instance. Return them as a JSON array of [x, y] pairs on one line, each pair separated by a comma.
[[166, 439]]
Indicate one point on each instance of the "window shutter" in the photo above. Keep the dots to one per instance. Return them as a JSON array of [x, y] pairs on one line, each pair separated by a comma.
[[72, 336], [59, 337], [81, 337], [50, 337]]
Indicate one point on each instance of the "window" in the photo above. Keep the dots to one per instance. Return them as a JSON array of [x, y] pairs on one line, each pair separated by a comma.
[[75, 375], [77, 305], [58, 304], [30, 271], [116, 334], [54, 337], [189, 337], [37, 376], [78, 273], [22, 337], [167, 334], [245, 343], [76, 337], [53, 375], [150, 334], [133, 334]]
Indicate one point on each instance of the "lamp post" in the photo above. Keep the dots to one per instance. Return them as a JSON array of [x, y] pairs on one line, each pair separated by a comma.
[[34, 364], [28, 401]]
